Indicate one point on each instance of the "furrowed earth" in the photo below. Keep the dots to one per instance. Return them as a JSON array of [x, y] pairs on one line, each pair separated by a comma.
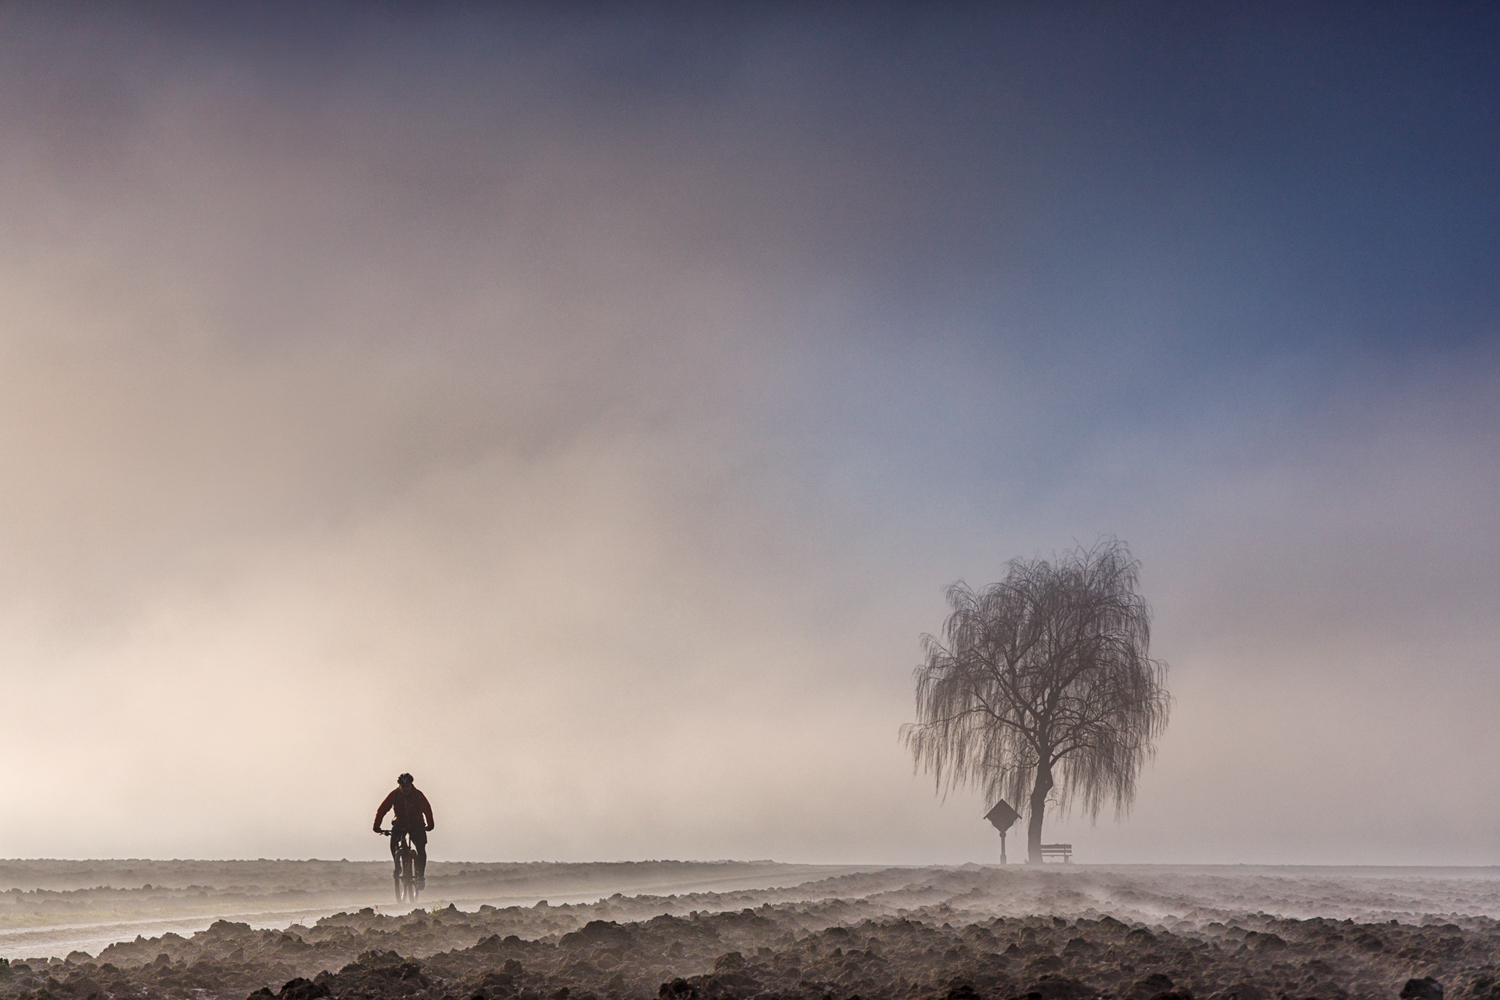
[[1063, 932]]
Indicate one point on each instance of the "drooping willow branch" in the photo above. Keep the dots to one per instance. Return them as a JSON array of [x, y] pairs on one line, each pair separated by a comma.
[[1048, 670]]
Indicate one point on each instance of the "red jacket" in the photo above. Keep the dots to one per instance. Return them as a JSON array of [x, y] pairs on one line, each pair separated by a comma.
[[411, 807]]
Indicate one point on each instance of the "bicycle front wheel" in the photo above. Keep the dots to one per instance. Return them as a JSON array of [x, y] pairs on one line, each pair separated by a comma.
[[408, 873]]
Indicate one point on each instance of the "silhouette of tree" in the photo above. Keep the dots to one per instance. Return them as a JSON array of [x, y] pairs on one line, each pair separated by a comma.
[[1043, 686]]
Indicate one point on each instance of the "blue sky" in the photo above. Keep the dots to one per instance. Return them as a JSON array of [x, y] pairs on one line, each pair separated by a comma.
[[585, 411]]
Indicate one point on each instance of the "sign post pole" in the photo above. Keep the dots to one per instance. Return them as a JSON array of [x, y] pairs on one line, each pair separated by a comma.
[[1001, 817]]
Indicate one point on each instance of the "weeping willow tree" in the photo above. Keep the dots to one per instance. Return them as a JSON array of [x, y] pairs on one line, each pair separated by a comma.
[[1043, 685]]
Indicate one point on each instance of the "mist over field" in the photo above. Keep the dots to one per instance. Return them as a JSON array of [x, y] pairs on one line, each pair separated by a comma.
[[657, 427], [584, 410], [740, 930]]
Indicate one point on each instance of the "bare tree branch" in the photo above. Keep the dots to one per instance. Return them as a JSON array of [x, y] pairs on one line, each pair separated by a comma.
[[1047, 670]]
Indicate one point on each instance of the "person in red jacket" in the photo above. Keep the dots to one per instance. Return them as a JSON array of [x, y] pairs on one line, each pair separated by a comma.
[[412, 809]]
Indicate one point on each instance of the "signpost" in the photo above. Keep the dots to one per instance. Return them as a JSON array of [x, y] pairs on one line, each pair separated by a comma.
[[1002, 817]]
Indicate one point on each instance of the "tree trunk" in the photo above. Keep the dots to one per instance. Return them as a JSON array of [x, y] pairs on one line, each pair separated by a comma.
[[1034, 822]]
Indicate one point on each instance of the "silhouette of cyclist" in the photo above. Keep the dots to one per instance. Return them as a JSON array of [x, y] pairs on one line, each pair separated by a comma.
[[411, 809]]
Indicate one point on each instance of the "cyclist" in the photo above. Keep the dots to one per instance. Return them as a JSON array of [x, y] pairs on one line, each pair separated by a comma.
[[411, 809]]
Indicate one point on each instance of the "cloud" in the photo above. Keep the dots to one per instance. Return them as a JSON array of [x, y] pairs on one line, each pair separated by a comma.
[[587, 420]]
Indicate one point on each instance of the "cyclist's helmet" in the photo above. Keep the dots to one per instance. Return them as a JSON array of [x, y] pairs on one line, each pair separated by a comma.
[[405, 779]]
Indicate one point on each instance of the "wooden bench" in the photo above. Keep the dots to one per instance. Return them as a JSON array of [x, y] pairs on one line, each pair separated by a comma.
[[1064, 851]]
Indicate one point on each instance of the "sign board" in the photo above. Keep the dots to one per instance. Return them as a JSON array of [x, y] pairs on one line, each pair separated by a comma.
[[1002, 816]]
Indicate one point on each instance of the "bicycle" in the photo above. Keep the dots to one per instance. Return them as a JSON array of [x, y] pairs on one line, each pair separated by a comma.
[[405, 876]]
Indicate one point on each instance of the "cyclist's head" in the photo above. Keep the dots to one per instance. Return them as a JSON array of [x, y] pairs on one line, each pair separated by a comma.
[[405, 779]]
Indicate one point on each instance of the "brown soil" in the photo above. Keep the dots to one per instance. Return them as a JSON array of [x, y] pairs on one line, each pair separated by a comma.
[[829, 948]]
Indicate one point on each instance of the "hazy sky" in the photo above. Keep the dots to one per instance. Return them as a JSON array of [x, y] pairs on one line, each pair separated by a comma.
[[585, 407]]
